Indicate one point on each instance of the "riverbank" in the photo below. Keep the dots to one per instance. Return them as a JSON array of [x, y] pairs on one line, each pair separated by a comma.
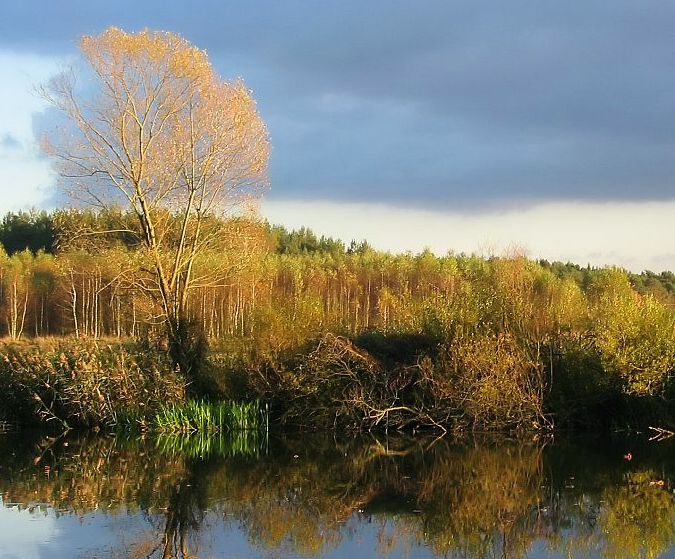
[[374, 381], [331, 336]]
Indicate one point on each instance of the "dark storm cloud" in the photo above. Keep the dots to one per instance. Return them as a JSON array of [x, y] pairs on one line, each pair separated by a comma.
[[428, 103]]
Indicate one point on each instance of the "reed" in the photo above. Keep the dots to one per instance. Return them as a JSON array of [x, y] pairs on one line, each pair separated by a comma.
[[84, 383], [210, 417]]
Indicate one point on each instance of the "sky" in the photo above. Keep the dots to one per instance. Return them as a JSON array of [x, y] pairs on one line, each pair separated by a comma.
[[466, 126]]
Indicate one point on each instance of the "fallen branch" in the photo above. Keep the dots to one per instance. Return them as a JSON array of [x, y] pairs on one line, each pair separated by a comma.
[[661, 434]]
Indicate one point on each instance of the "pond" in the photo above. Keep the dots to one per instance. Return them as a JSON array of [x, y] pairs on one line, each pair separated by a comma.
[[316, 496]]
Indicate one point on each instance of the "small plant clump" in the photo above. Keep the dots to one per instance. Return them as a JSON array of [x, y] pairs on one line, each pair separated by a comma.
[[209, 417]]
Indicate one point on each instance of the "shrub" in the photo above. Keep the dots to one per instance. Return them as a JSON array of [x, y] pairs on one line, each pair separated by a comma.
[[635, 337], [494, 381]]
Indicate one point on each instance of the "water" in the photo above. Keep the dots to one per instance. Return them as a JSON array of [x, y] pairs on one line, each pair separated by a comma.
[[313, 496]]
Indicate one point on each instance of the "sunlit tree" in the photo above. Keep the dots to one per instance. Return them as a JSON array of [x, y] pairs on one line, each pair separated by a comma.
[[155, 130]]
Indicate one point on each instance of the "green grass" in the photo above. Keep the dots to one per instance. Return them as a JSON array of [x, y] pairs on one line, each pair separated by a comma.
[[210, 417]]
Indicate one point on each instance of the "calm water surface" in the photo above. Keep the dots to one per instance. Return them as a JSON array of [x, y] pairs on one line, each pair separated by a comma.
[[313, 496]]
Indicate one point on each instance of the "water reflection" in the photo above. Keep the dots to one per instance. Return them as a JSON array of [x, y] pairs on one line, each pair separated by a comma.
[[314, 496]]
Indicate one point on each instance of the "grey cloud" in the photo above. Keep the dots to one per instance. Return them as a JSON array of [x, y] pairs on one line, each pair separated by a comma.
[[429, 103]]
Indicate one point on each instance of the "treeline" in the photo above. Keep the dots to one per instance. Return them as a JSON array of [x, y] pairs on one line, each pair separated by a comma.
[[351, 335], [38, 232], [311, 284]]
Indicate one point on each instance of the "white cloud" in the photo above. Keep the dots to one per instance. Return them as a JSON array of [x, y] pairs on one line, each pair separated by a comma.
[[634, 235], [25, 178]]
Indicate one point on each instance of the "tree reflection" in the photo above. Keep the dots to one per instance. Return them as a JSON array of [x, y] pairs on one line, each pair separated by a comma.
[[638, 517], [305, 496], [185, 511]]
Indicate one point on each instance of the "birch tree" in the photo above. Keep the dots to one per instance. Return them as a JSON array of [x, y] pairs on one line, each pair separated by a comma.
[[155, 130]]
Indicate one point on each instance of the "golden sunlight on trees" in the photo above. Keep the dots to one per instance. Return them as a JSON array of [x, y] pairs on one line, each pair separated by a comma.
[[154, 130]]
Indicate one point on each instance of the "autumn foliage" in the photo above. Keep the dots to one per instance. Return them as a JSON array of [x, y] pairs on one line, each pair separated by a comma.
[[330, 335]]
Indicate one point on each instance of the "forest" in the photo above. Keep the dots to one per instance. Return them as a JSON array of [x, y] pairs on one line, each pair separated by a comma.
[[333, 335]]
